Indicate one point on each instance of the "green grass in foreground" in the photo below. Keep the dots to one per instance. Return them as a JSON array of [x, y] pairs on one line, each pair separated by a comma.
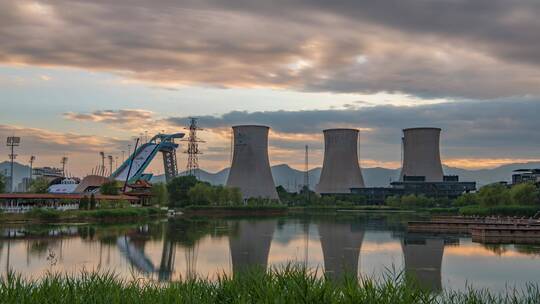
[[283, 285]]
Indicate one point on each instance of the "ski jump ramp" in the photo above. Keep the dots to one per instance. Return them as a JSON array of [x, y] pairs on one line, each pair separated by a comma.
[[143, 156]]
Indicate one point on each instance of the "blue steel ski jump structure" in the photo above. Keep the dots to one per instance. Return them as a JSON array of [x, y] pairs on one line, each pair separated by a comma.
[[143, 155]]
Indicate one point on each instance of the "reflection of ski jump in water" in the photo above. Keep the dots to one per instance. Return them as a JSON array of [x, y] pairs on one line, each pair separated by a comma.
[[134, 255], [423, 260], [341, 249], [251, 246]]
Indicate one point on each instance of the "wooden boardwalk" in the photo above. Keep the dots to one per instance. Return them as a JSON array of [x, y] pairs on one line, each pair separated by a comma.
[[484, 230]]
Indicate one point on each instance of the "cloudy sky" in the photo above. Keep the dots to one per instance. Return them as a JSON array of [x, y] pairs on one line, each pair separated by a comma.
[[79, 77]]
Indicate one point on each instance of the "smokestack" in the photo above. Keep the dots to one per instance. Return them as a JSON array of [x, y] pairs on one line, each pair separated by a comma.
[[421, 155], [341, 170], [250, 169]]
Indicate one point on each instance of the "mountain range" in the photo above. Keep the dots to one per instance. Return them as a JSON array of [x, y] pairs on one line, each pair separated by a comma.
[[291, 178]]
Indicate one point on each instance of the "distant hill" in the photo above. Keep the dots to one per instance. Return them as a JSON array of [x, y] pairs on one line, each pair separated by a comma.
[[373, 177]]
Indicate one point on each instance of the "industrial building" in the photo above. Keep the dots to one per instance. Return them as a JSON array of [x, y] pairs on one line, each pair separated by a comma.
[[421, 172], [250, 169], [341, 170], [526, 176]]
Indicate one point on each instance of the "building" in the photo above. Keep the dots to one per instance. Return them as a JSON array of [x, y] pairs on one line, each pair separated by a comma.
[[450, 188], [526, 176], [421, 173], [48, 173]]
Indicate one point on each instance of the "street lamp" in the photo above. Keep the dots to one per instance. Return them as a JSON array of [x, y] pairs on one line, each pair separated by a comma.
[[12, 142]]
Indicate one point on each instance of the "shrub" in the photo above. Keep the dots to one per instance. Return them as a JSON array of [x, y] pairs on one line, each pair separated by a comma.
[[493, 195], [39, 185], [44, 213], [503, 210], [466, 199], [110, 188], [524, 194], [84, 203]]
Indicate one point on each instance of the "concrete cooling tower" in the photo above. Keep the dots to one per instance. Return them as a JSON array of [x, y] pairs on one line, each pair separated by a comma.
[[421, 155], [250, 247], [250, 169], [423, 261], [341, 170], [341, 245]]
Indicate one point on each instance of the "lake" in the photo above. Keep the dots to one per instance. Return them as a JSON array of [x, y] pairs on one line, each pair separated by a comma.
[[366, 244]]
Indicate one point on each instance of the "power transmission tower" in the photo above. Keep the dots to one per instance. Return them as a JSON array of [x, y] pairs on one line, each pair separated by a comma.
[[64, 162], [12, 142], [193, 151]]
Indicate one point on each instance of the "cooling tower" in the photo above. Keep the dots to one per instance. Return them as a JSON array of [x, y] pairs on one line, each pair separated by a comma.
[[421, 155], [250, 169], [341, 170], [251, 246], [423, 261], [341, 249]]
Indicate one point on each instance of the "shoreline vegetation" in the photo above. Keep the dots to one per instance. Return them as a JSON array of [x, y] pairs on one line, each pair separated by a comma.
[[43, 215], [286, 284]]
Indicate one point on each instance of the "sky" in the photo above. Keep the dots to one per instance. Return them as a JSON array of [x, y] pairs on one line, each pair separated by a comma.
[[80, 77]]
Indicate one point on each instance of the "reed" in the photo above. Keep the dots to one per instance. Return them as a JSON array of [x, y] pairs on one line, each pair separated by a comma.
[[287, 284]]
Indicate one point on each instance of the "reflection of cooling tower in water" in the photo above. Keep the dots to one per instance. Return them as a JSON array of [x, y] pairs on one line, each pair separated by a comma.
[[250, 169], [251, 246], [421, 155], [341, 170], [423, 259], [341, 249]]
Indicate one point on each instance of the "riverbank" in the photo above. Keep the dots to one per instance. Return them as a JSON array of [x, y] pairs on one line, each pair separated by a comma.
[[268, 210], [283, 285], [39, 215]]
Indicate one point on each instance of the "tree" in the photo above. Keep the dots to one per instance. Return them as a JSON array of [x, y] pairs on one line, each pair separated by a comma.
[[110, 188], [412, 200], [494, 195], [92, 201], [200, 194], [524, 194], [84, 202], [2, 184], [178, 189], [39, 185], [466, 199], [235, 196], [159, 194]]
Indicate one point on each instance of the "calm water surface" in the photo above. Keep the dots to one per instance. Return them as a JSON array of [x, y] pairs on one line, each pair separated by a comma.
[[370, 245]]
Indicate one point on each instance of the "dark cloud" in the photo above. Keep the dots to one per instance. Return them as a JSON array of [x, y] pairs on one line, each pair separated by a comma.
[[475, 49], [495, 128]]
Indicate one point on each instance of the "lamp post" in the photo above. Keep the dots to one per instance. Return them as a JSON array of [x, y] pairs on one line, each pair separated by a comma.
[[12, 142]]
